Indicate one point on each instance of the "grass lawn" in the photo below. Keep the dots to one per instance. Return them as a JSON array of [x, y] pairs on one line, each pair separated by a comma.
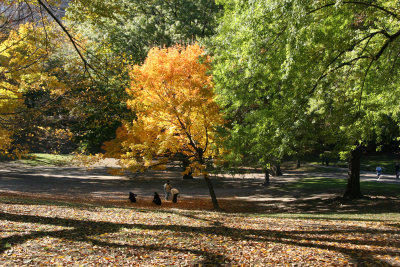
[[43, 232], [328, 184], [388, 162], [38, 159], [368, 163]]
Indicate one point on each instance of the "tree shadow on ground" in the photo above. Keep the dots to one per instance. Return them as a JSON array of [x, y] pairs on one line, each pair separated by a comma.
[[84, 231], [314, 235], [336, 205]]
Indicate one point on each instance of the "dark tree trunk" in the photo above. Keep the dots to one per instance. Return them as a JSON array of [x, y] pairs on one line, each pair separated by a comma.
[[266, 173], [276, 170], [353, 189], [188, 176], [298, 164], [208, 181], [185, 164], [212, 193]]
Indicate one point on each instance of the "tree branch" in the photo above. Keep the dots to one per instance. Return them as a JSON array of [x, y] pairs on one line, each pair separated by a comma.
[[391, 38], [86, 64], [357, 3]]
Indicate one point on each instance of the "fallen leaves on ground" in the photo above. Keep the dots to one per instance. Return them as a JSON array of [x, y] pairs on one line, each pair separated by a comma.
[[43, 235]]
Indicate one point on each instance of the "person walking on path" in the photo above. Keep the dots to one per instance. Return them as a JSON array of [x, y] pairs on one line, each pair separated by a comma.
[[378, 172], [167, 189], [397, 170], [175, 193]]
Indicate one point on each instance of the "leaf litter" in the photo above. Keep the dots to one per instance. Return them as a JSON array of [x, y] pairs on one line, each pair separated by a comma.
[[43, 235]]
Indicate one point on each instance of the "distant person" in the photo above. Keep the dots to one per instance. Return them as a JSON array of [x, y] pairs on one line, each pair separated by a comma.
[[397, 170], [167, 189], [132, 197], [175, 193], [156, 199], [378, 172]]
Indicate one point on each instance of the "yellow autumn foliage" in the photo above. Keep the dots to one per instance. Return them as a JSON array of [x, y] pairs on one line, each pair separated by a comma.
[[22, 55], [172, 97]]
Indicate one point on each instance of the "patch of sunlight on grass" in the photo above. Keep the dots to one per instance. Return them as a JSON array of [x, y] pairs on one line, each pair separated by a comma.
[[38, 159]]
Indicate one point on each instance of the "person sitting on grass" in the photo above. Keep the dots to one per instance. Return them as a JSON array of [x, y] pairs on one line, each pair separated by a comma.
[[175, 194], [132, 197], [156, 199]]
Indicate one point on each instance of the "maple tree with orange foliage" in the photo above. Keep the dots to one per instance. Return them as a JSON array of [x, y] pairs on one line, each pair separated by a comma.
[[172, 97]]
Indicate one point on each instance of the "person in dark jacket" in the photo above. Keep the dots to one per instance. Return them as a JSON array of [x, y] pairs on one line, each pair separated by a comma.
[[156, 199], [132, 197]]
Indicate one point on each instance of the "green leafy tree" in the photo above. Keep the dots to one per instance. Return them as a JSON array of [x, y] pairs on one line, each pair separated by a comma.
[[133, 27], [97, 105], [330, 65]]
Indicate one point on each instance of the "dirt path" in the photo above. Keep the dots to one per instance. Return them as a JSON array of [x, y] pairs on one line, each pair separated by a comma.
[[98, 182]]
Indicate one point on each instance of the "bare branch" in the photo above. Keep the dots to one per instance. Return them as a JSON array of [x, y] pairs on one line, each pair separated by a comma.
[[375, 57]]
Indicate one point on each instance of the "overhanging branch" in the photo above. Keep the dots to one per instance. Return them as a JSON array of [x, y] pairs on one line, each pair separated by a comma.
[[86, 64], [358, 3]]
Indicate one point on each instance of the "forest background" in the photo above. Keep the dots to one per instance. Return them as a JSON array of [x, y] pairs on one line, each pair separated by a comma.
[[221, 84]]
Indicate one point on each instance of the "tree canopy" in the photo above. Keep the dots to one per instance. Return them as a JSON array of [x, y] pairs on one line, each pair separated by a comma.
[[332, 65], [133, 27], [24, 70], [292, 77]]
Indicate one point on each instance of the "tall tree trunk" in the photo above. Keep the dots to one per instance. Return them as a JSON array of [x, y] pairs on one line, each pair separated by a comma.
[[276, 170], [297, 164], [353, 189], [212, 193], [185, 164], [266, 173]]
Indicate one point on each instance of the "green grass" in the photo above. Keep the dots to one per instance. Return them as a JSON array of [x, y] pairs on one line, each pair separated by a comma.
[[381, 189], [38, 159], [318, 168], [369, 163], [318, 184], [324, 184]]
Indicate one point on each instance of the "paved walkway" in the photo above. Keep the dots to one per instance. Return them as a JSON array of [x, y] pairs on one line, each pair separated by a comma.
[[97, 182]]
